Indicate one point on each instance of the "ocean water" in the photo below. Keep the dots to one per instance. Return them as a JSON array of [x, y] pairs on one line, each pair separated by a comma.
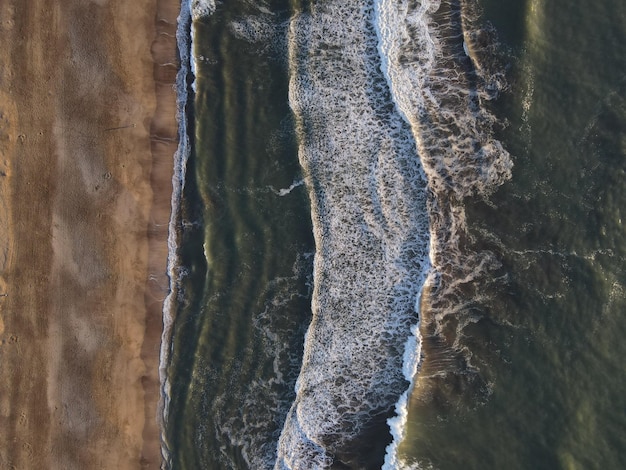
[[396, 238]]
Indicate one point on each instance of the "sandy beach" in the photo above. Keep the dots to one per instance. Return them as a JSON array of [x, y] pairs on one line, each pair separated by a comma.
[[87, 137]]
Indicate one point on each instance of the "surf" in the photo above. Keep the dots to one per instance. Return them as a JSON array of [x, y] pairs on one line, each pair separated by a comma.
[[394, 136]]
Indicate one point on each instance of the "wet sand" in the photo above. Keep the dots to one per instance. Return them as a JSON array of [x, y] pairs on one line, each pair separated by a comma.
[[87, 137]]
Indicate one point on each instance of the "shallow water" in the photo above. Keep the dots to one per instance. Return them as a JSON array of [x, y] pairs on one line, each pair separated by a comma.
[[425, 147]]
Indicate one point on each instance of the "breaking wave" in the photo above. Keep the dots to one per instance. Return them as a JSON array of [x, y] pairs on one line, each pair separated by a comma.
[[394, 134]]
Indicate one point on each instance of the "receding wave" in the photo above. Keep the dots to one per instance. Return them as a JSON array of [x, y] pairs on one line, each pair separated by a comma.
[[394, 134]]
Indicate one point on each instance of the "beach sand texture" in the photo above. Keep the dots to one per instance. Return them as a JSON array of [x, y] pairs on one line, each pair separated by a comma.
[[87, 137]]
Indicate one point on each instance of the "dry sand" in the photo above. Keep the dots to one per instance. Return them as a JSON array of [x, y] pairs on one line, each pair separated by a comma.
[[87, 137]]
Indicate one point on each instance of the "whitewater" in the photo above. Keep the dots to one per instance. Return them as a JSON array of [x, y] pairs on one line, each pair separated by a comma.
[[368, 197]]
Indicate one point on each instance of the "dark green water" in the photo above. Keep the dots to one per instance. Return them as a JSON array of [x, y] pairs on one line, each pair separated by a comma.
[[550, 338], [246, 252], [530, 373]]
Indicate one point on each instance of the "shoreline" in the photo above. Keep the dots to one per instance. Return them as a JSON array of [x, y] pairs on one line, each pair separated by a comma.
[[87, 138], [183, 41]]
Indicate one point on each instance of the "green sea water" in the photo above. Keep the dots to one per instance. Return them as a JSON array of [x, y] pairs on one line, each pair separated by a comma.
[[550, 335], [245, 254], [534, 379]]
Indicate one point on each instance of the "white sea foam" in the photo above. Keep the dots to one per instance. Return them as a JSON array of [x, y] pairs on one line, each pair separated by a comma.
[[201, 8], [285, 191], [254, 28], [368, 198]]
